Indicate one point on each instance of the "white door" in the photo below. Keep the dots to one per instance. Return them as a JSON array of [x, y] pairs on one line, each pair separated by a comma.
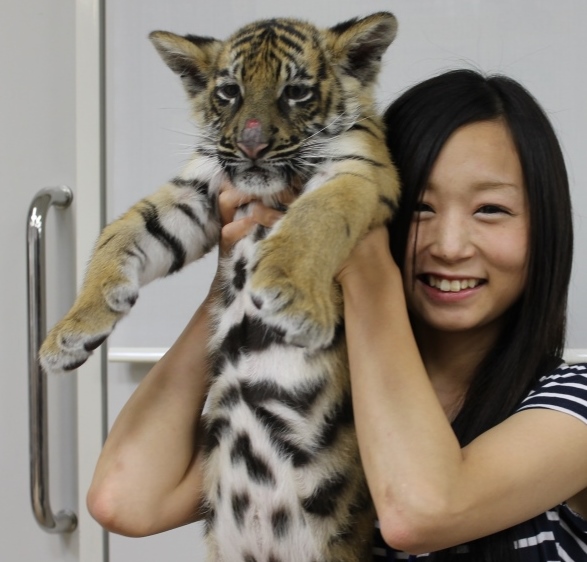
[[38, 131], [149, 137], [37, 145]]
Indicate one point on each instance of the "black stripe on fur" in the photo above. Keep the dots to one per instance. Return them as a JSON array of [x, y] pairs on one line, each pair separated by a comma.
[[257, 468], [155, 228]]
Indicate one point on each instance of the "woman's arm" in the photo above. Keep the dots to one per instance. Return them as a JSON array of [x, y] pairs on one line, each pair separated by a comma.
[[149, 475], [429, 493]]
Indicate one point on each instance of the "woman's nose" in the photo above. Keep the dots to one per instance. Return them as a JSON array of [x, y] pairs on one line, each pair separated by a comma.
[[451, 240]]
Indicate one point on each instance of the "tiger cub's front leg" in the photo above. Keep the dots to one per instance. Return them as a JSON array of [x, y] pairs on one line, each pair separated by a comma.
[[292, 280], [156, 237]]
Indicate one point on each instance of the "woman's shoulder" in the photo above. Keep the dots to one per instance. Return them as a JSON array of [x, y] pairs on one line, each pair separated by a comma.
[[563, 389]]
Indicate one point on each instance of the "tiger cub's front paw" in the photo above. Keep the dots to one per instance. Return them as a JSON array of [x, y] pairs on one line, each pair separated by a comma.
[[85, 327], [293, 297]]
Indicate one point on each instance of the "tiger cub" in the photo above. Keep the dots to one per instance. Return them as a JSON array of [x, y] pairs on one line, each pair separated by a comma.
[[280, 105]]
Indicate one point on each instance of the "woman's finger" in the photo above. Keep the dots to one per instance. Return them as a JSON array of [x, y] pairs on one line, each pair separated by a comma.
[[263, 215], [233, 231], [229, 200]]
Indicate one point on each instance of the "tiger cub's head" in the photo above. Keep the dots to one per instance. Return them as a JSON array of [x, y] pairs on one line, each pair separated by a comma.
[[269, 98]]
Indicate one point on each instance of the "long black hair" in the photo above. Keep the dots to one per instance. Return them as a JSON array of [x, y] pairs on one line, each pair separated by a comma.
[[418, 124]]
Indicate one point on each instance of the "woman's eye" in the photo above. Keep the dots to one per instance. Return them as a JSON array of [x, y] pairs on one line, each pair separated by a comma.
[[492, 210], [423, 208], [229, 91], [297, 92]]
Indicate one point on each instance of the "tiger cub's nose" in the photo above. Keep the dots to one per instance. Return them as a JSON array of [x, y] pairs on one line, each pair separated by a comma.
[[252, 141]]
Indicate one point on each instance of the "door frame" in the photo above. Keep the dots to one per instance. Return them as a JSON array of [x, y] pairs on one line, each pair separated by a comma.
[[89, 220]]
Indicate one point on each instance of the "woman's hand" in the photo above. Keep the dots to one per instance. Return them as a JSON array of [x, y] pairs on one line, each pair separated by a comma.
[[229, 202], [370, 260]]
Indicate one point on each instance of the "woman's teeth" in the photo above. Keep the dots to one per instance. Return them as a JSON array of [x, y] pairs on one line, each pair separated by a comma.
[[452, 286]]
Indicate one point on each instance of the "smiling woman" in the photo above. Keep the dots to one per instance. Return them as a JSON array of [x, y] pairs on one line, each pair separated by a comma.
[[461, 372]]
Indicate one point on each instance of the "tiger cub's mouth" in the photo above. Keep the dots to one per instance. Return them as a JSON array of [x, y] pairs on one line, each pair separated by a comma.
[[259, 180]]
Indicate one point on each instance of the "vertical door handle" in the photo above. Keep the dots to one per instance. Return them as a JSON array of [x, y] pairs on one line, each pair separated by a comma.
[[64, 521]]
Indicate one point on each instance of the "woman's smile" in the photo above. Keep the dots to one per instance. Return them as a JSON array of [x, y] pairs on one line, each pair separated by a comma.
[[452, 289], [447, 284]]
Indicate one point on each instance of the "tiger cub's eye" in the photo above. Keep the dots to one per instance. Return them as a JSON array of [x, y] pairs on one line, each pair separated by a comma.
[[228, 91], [297, 92]]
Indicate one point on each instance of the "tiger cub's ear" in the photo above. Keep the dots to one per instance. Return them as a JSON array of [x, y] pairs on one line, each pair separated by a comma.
[[359, 44], [191, 57]]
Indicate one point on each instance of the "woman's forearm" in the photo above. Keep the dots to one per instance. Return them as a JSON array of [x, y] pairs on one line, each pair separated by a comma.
[[148, 476], [408, 448]]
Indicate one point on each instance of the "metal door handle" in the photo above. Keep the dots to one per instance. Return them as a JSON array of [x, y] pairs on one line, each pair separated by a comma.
[[64, 521]]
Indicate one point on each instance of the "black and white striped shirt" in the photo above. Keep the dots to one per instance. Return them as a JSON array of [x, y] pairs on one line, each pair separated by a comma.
[[559, 535]]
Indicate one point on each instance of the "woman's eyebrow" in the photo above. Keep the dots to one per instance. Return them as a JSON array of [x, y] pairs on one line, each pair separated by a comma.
[[482, 185], [495, 185]]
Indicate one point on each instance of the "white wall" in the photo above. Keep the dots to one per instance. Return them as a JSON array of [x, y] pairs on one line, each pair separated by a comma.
[[541, 43]]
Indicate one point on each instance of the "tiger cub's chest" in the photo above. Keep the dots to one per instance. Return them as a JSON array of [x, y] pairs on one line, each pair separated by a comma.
[[273, 411]]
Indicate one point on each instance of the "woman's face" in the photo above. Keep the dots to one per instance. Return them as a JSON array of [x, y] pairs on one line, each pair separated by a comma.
[[469, 234]]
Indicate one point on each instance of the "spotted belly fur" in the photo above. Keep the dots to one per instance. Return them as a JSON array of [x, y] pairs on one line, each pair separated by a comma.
[[283, 478]]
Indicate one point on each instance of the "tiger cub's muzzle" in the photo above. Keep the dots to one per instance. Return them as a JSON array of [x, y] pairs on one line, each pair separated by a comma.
[[261, 168]]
